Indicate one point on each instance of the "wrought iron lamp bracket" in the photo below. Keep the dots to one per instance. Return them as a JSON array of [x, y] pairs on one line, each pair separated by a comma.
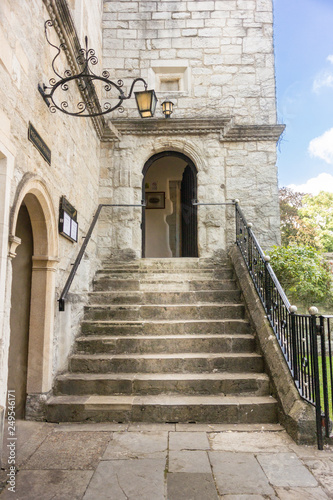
[[89, 106]]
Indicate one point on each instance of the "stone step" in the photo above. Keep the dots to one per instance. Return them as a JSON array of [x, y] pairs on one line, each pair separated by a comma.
[[173, 285], [242, 384], [159, 327], [168, 263], [164, 363], [141, 297], [166, 344], [164, 312], [166, 274], [163, 408]]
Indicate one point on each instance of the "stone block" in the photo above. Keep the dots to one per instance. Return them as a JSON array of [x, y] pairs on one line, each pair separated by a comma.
[[181, 15], [134, 445], [170, 6], [250, 442], [225, 5], [189, 32], [194, 486], [285, 469], [188, 441], [253, 45], [132, 479], [200, 6], [239, 474], [127, 34], [181, 43], [195, 23], [189, 461], [77, 450], [49, 485], [161, 15], [322, 469], [148, 6], [297, 493], [121, 7]]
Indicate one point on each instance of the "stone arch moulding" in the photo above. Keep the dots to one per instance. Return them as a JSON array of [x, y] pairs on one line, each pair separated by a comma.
[[178, 145], [33, 192]]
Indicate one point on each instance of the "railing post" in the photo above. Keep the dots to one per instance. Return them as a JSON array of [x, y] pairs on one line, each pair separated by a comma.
[[292, 311], [249, 245], [237, 220], [268, 295], [315, 373], [324, 372]]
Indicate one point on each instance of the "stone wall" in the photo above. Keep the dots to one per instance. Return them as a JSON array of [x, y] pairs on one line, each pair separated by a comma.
[[226, 170], [214, 60], [26, 62], [220, 51]]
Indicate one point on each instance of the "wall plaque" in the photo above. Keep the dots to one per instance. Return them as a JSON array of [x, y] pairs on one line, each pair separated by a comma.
[[68, 225], [39, 144]]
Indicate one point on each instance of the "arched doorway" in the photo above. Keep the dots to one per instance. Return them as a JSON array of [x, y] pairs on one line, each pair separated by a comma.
[[20, 313], [34, 261], [169, 220]]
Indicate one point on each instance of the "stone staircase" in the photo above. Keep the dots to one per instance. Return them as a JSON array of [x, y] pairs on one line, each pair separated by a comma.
[[164, 340]]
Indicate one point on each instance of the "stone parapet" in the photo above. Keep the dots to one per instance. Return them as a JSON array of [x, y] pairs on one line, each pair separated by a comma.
[[295, 414]]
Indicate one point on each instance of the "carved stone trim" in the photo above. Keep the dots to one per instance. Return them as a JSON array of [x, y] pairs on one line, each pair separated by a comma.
[[14, 242], [253, 133], [223, 126], [43, 262], [63, 23]]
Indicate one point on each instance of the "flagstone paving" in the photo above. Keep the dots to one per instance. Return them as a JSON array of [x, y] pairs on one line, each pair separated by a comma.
[[162, 462]]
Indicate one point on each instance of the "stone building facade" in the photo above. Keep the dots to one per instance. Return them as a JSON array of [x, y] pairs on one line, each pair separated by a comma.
[[214, 60]]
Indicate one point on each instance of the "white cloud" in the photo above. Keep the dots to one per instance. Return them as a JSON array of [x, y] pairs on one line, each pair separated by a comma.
[[322, 146], [324, 79], [323, 182]]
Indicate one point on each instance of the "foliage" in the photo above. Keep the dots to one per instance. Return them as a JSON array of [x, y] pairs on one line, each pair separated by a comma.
[[317, 213], [295, 228], [302, 272]]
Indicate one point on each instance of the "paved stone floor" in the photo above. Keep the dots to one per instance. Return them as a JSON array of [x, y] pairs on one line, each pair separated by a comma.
[[161, 462]]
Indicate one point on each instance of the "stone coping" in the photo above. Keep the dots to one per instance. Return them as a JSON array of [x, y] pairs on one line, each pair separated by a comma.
[[295, 414]]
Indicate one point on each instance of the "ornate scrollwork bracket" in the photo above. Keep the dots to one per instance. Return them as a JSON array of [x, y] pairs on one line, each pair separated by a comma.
[[87, 104]]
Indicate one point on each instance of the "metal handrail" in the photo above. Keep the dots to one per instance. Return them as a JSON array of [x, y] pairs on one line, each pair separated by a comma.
[[297, 334], [78, 259]]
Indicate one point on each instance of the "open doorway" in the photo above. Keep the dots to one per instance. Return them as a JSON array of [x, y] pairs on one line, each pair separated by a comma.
[[20, 311], [169, 220], [34, 247]]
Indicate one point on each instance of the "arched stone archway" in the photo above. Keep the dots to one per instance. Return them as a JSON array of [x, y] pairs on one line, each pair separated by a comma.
[[33, 195], [170, 228]]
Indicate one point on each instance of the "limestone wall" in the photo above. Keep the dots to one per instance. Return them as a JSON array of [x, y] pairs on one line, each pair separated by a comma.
[[215, 61], [211, 57], [25, 62], [226, 170]]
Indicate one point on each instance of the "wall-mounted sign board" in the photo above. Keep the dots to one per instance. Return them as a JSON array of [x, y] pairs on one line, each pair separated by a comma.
[[39, 144], [68, 225]]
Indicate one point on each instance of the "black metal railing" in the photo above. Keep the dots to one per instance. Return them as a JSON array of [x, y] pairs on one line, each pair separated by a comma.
[[305, 339], [78, 259]]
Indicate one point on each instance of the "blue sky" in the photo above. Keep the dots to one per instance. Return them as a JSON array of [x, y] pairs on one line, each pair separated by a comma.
[[303, 39]]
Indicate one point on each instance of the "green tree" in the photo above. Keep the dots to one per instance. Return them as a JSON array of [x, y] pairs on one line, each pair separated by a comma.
[[294, 228], [303, 273], [317, 213]]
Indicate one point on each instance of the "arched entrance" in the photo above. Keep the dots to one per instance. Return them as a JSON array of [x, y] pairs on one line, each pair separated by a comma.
[[34, 244], [20, 312], [169, 220]]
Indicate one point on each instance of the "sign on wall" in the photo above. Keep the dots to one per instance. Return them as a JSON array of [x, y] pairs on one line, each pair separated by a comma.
[[68, 225], [39, 144]]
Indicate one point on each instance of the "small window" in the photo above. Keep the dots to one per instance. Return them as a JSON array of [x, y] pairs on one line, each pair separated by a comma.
[[170, 76], [170, 84]]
